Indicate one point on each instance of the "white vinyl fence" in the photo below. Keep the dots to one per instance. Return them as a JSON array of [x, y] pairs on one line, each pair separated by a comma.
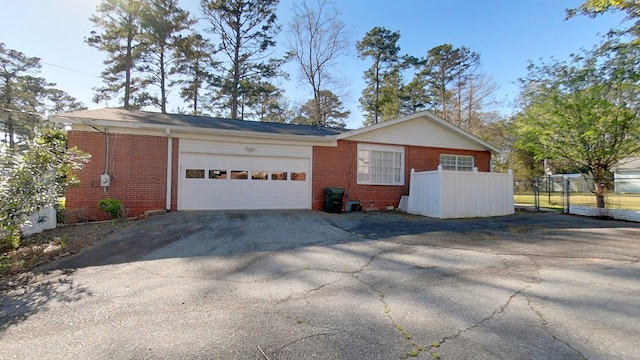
[[460, 194], [618, 214]]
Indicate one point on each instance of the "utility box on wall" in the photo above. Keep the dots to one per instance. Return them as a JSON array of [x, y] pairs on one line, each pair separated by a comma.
[[105, 180], [353, 205]]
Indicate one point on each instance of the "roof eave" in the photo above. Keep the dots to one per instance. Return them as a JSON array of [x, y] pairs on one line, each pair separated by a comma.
[[422, 114], [193, 130]]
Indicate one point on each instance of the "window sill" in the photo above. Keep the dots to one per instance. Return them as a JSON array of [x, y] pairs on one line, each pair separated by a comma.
[[379, 184]]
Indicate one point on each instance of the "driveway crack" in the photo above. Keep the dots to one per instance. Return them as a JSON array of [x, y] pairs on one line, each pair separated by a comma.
[[543, 326], [497, 311], [324, 331], [416, 348], [320, 287]]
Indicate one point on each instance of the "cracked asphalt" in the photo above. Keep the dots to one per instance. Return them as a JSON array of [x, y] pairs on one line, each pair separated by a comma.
[[311, 285]]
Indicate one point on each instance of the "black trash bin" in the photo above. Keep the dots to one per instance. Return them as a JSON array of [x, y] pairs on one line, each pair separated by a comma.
[[333, 199]]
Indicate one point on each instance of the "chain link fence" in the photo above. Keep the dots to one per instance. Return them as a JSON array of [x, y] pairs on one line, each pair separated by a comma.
[[559, 192]]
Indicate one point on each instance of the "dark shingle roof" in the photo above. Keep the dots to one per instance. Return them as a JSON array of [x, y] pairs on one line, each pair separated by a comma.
[[132, 117]]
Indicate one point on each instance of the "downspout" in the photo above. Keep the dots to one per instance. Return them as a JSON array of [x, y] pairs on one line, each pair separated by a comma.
[[106, 152], [169, 168]]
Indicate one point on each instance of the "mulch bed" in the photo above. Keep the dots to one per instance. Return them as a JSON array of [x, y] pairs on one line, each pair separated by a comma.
[[50, 245]]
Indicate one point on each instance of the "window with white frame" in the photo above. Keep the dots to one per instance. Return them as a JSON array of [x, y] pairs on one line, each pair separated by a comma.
[[456, 162], [380, 165]]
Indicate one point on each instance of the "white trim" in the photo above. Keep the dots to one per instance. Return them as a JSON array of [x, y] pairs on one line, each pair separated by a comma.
[[242, 137], [457, 157], [321, 140], [380, 148], [428, 117]]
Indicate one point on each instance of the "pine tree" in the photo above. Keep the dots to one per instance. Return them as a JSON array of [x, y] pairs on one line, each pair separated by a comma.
[[196, 64], [246, 30], [162, 23], [22, 96], [332, 112], [119, 37], [383, 77]]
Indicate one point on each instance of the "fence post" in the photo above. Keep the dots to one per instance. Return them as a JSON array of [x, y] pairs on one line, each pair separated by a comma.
[[440, 197], [549, 189], [475, 192], [536, 193], [511, 193], [412, 193], [566, 189]]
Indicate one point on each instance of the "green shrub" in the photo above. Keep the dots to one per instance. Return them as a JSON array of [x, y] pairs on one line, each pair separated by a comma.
[[32, 177], [113, 207], [60, 210]]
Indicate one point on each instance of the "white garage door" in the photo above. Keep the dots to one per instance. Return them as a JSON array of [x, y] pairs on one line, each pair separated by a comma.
[[226, 182]]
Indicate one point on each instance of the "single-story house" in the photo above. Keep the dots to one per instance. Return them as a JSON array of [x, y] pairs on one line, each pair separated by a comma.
[[153, 161], [626, 176]]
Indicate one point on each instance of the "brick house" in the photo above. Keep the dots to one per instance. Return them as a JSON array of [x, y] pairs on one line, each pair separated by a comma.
[[152, 161]]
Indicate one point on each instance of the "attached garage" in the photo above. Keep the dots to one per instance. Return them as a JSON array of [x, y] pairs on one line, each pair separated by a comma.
[[224, 176]]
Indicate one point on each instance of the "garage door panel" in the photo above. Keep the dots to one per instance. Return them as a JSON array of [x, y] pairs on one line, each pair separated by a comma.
[[230, 192]]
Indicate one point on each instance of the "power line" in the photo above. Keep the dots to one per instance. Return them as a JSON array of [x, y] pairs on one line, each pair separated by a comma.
[[21, 112], [69, 69]]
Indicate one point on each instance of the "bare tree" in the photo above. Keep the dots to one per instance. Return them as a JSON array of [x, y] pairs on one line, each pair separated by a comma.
[[472, 102], [316, 39]]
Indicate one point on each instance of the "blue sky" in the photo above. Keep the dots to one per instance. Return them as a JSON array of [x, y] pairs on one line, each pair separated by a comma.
[[507, 33]]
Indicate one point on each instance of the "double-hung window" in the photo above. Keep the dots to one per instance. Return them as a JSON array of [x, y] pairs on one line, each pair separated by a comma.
[[380, 165], [456, 162]]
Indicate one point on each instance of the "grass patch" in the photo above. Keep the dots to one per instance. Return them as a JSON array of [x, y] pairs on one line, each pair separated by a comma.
[[555, 201]]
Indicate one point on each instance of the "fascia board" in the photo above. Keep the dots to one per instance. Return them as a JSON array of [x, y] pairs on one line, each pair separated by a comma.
[[330, 140], [427, 116]]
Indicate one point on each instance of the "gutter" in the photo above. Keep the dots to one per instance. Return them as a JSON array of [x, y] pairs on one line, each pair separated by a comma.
[[195, 130]]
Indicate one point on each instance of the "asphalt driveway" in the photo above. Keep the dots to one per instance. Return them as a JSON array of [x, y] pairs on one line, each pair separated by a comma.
[[311, 285]]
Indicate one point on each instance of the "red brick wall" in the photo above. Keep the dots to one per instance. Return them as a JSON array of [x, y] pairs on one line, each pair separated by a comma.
[[337, 167], [137, 165]]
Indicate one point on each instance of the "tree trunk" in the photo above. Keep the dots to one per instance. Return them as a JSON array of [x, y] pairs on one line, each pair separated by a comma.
[[163, 88], [10, 124], [10, 130], [235, 93], [376, 105], [600, 194], [195, 102], [129, 63], [318, 109], [196, 88], [443, 94]]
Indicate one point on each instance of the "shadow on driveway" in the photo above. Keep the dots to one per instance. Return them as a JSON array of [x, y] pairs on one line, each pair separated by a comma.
[[351, 285], [223, 233]]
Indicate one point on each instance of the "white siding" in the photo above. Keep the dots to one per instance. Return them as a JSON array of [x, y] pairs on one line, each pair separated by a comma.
[[627, 182], [233, 148], [418, 132]]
